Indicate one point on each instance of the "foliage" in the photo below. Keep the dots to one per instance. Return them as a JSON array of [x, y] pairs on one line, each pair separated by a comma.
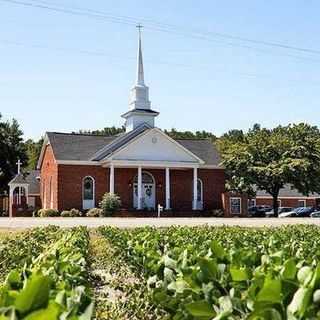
[[110, 204], [71, 213], [175, 134], [94, 212], [16, 249], [53, 286], [11, 149], [119, 293], [43, 213], [271, 158], [108, 131], [227, 273], [33, 149]]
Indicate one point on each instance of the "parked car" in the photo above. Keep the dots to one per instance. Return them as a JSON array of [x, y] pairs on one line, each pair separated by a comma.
[[258, 211], [270, 213], [300, 212], [315, 214]]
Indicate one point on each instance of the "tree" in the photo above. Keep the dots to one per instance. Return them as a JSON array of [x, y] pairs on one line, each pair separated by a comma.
[[271, 158], [175, 134], [33, 149], [107, 131], [11, 149]]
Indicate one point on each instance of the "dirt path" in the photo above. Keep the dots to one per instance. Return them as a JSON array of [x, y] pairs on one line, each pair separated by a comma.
[[119, 293]]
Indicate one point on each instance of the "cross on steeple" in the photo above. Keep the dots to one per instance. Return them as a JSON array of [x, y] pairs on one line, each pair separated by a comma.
[[139, 27], [19, 163]]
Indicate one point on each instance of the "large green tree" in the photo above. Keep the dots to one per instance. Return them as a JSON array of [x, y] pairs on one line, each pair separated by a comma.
[[33, 149], [271, 158], [12, 148]]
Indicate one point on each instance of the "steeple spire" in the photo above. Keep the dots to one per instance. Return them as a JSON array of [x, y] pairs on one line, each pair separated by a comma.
[[140, 111], [140, 73]]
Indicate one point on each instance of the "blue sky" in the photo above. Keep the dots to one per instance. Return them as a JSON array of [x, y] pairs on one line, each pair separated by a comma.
[[50, 82]]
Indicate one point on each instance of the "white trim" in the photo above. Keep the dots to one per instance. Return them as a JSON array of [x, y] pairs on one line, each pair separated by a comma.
[[237, 198], [114, 153], [151, 164], [211, 166], [195, 188], [139, 207], [254, 201], [305, 202], [93, 191]]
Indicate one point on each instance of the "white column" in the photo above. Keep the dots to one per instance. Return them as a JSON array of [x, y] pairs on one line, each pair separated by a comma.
[[195, 182], [10, 201], [139, 188], [111, 179], [167, 189]]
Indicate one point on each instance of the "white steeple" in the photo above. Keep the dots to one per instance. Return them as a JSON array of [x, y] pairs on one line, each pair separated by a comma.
[[139, 104]]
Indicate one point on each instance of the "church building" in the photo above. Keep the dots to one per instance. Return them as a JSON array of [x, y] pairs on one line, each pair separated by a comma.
[[143, 165]]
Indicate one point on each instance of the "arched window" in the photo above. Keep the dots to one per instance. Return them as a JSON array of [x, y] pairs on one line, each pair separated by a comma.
[[88, 188], [146, 178]]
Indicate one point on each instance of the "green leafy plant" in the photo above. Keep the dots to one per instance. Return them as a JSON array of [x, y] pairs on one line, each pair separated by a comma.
[[43, 213], [95, 212], [71, 213], [110, 204], [227, 273]]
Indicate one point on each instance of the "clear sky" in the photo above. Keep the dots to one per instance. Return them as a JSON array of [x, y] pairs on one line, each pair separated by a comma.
[[61, 71]]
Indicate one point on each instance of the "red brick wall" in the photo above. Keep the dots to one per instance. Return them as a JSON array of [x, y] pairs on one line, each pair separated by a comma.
[[291, 202], [226, 203], [49, 172], [213, 186], [70, 179]]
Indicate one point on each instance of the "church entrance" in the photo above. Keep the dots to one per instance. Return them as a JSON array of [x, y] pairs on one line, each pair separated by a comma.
[[148, 191]]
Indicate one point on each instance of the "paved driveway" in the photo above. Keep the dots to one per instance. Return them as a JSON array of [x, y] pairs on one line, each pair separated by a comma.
[[18, 223]]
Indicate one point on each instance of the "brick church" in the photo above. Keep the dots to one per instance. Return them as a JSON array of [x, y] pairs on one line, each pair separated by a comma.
[[143, 165]]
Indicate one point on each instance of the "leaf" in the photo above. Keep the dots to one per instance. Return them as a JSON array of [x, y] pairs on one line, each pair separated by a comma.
[[289, 269], [200, 310], [305, 275], [300, 302], [209, 268], [87, 315], [271, 291], [13, 278], [50, 313], [238, 274], [34, 295], [217, 250]]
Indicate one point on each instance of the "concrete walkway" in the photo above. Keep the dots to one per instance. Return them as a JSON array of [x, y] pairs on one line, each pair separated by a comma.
[[21, 223]]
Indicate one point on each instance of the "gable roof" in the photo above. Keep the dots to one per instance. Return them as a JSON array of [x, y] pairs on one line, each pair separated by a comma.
[[287, 192], [29, 178], [87, 147]]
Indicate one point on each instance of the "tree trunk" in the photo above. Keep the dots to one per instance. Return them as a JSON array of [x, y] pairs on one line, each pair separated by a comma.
[[275, 204]]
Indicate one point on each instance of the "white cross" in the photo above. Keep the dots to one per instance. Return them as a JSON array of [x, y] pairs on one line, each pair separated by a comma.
[[19, 163]]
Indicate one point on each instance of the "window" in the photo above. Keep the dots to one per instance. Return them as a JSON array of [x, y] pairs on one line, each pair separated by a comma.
[[146, 178], [251, 203], [199, 190], [88, 188], [302, 203], [235, 205]]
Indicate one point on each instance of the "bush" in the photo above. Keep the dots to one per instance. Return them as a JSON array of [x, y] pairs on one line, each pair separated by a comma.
[[110, 204], [47, 213], [95, 212], [217, 213], [71, 213]]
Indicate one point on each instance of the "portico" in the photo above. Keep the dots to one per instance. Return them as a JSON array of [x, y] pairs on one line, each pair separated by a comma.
[[143, 189]]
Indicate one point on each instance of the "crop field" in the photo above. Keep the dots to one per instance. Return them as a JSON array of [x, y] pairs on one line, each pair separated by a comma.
[[171, 273]]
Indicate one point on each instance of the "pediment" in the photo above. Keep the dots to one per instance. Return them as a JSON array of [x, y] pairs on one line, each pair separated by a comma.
[[155, 145]]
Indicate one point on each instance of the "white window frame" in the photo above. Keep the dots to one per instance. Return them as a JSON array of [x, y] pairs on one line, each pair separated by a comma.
[[304, 202], [254, 202], [230, 203]]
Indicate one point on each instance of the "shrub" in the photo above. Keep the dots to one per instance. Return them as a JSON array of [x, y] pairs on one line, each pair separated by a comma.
[[217, 213], [95, 212], [71, 213], [110, 203], [48, 213]]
